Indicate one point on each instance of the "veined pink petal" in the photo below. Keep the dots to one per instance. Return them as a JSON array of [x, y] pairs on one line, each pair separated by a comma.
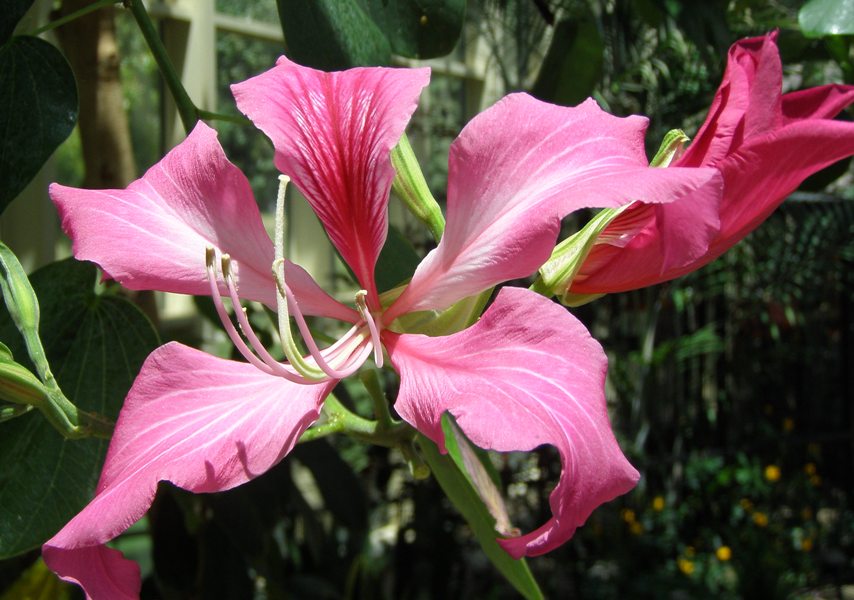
[[526, 374], [153, 235], [515, 171], [333, 133], [204, 423]]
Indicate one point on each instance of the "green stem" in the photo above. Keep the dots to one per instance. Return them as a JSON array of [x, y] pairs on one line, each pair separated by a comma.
[[9, 412], [214, 116], [371, 380], [339, 419], [186, 109], [72, 16]]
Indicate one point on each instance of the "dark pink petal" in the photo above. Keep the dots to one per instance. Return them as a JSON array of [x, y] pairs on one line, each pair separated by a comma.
[[153, 235], [823, 102], [747, 102], [674, 237], [515, 171], [765, 170], [333, 133], [763, 156], [204, 423], [527, 374]]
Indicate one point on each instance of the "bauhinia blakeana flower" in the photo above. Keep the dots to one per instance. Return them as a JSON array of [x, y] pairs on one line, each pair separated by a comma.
[[763, 142], [526, 374]]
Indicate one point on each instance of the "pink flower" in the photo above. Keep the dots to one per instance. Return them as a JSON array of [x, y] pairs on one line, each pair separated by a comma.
[[526, 374], [763, 142]]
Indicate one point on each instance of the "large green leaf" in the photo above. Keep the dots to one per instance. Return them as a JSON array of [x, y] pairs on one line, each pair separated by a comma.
[[332, 34], [573, 64], [13, 11], [457, 486], [419, 28], [39, 100], [96, 345], [818, 18], [337, 34]]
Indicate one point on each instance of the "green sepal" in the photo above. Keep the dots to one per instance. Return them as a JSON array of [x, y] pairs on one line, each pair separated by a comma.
[[411, 187], [461, 315], [465, 499], [559, 271], [671, 147]]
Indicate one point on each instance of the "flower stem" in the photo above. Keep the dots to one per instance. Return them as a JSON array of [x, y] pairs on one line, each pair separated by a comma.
[[215, 116], [72, 16], [186, 109], [339, 419], [371, 380]]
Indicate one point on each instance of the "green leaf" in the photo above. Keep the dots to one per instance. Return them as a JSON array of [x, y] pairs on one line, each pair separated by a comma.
[[573, 64], [419, 28], [96, 344], [39, 100], [459, 490], [819, 18], [37, 583], [13, 11], [332, 34]]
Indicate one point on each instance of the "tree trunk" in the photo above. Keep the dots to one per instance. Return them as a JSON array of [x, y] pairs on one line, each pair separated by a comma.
[[89, 44]]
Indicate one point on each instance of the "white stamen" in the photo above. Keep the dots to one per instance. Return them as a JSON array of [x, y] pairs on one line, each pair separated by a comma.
[[362, 305]]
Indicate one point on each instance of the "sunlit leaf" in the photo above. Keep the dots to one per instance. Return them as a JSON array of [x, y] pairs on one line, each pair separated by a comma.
[[818, 18]]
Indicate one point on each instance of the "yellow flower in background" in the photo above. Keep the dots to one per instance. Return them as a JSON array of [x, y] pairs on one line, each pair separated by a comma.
[[689, 551], [685, 565], [806, 544], [772, 473], [746, 504], [810, 468], [658, 503], [788, 424], [636, 528], [815, 480], [628, 515], [760, 518], [724, 553]]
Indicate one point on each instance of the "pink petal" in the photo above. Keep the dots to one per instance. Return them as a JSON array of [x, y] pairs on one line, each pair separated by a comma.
[[204, 423], [153, 234], [333, 133], [526, 374], [515, 171]]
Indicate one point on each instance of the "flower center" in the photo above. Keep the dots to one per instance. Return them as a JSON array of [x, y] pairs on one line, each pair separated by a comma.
[[338, 361]]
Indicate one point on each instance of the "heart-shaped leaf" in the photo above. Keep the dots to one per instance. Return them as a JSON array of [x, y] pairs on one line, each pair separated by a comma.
[[95, 345], [39, 100]]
